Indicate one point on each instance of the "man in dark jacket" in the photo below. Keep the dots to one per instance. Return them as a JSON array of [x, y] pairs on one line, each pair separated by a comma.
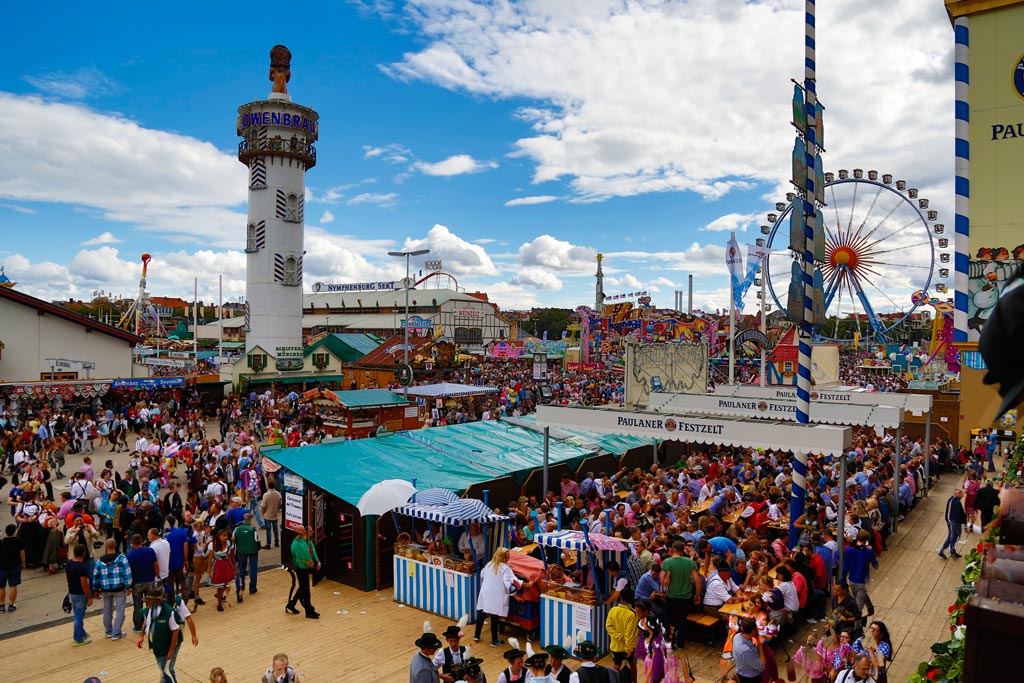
[[955, 520], [985, 502]]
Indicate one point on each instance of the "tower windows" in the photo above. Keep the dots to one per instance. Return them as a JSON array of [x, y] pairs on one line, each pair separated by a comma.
[[291, 271], [250, 238], [288, 269], [293, 208]]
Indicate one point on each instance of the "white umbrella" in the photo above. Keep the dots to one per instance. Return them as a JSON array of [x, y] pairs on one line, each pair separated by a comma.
[[385, 496]]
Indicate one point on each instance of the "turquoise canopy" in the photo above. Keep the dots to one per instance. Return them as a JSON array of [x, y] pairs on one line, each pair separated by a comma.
[[453, 457]]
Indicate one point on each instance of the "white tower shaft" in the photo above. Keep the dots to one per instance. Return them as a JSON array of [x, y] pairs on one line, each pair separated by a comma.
[[277, 147]]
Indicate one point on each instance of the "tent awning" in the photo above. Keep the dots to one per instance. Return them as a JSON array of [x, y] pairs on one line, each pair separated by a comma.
[[450, 390], [918, 404], [723, 431], [576, 540], [456, 513], [453, 457], [295, 380], [882, 416]]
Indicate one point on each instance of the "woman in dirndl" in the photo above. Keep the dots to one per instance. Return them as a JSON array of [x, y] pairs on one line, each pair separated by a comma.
[[222, 569]]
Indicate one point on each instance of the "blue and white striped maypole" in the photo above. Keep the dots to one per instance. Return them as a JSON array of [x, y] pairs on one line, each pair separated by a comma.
[[963, 180], [803, 381]]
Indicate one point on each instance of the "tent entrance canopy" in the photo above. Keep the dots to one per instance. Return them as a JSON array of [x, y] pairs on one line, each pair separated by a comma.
[[459, 512], [723, 431], [450, 390], [877, 416], [916, 404]]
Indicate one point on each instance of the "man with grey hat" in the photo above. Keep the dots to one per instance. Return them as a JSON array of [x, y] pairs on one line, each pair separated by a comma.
[[422, 669]]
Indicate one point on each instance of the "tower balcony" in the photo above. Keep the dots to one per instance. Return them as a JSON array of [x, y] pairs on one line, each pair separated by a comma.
[[278, 146]]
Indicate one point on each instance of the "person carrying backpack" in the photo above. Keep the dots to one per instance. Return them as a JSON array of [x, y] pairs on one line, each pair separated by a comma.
[[162, 630]]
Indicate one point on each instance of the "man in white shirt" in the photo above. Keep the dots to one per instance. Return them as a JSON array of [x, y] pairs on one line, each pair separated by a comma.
[[162, 548], [479, 544], [142, 444], [720, 588]]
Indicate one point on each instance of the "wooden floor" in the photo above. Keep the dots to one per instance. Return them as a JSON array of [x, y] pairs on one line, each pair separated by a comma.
[[368, 637]]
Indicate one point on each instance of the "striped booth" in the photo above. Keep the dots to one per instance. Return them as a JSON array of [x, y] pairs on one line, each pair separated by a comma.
[[432, 584], [567, 623]]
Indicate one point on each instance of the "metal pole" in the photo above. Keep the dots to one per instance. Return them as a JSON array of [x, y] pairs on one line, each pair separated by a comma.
[[764, 323], [220, 315], [195, 320], [547, 452], [654, 449], [842, 511], [896, 478], [927, 450], [732, 328], [405, 324], [803, 385]]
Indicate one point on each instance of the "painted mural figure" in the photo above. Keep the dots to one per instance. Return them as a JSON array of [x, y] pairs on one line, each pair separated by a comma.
[[987, 277]]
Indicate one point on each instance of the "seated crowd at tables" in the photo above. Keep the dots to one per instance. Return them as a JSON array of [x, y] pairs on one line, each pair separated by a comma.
[[711, 533]]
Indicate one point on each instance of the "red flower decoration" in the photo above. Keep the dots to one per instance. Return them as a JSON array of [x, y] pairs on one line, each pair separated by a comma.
[[931, 675], [951, 609], [979, 547]]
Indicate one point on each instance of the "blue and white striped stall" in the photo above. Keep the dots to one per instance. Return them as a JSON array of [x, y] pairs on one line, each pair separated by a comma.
[[427, 584], [433, 588], [564, 622]]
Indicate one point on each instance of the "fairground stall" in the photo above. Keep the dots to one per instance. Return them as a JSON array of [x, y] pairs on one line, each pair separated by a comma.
[[430, 572], [572, 604], [355, 414]]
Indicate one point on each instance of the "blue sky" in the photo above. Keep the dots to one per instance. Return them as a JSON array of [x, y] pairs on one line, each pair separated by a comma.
[[513, 139]]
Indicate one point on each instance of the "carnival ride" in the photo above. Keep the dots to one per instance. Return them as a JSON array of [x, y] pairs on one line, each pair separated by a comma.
[[942, 331], [141, 317], [878, 241]]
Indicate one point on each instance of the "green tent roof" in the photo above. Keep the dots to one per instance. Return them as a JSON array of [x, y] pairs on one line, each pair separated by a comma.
[[347, 347], [453, 457], [616, 444], [369, 398]]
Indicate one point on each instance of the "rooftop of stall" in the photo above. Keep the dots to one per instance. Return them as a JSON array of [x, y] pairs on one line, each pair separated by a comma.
[[454, 457]]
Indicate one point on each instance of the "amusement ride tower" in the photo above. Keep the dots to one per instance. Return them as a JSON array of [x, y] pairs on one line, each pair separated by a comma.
[[277, 147]]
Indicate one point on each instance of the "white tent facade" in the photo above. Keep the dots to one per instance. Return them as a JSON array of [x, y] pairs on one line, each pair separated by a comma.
[[726, 431]]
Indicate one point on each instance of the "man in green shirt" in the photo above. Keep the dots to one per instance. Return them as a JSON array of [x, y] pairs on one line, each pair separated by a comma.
[[162, 630], [247, 550], [304, 561], [682, 583]]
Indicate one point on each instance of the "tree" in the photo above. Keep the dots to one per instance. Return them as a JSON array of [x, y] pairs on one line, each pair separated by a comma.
[[552, 320]]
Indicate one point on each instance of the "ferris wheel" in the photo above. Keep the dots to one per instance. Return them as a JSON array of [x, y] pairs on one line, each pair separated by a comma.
[[881, 244]]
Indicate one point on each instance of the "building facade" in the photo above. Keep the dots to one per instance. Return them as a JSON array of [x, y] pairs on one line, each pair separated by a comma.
[[40, 341], [989, 71]]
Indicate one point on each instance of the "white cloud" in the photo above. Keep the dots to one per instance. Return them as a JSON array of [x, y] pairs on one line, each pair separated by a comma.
[[627, 281], [663, 282], [392, 153], [459, 256], [557, 254], [735, 222], [603, 78], [484, 240], [386, 199], [529, 201], [538, 278], [509, 296], [105, 237], [157, 181], [75, 85], [18, 209], [459, 164], [328, 217]]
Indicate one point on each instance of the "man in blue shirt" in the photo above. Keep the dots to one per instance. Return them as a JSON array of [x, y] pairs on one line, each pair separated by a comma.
[[715, 547], [649, 584], [178, 538], [145, 568], [855, 571]]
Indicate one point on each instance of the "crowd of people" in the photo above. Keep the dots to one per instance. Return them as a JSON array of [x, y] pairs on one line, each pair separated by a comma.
[[190, 512], [712, 533]]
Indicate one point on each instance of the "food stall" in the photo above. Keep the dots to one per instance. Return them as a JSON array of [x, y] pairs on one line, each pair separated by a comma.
[[572, 609], [428, 572], [524, 607]]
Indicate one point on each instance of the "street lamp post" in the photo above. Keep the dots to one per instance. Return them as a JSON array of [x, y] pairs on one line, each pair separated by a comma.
[[407, 283]]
